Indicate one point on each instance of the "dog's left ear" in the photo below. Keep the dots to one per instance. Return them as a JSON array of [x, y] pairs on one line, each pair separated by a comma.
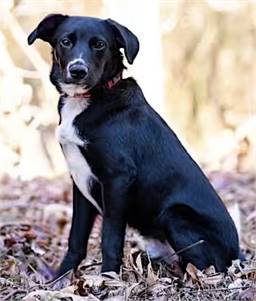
[[125, 39], [46, 28]]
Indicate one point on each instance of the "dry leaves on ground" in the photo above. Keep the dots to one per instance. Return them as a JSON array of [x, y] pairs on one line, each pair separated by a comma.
[[34, 225]]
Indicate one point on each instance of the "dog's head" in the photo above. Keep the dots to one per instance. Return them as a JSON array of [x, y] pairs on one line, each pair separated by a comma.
[[86, 51]]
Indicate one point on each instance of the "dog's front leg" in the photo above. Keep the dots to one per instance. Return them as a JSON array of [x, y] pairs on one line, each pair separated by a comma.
[[82, 221], [114, 223]]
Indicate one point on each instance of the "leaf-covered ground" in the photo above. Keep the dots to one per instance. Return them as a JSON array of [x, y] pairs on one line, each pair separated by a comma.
[[34, 225]]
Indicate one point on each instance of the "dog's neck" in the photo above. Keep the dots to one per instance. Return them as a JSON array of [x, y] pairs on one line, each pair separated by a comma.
[[87, 95]]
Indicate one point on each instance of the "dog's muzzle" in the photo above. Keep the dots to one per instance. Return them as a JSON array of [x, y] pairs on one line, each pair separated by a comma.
[[78, 71]]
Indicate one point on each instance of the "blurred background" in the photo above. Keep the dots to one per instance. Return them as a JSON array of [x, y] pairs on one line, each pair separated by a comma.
[[196, 67]]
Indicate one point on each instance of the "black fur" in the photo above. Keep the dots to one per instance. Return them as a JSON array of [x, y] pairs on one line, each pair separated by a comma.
[[146, 177]]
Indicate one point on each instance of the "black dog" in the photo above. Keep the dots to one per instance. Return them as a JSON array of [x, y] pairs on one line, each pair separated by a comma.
[[125, 162]]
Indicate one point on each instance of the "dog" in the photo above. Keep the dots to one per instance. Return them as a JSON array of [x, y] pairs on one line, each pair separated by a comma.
[[125, 162]]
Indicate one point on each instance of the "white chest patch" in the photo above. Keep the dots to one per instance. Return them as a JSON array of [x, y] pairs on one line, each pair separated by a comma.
[[70, 140]]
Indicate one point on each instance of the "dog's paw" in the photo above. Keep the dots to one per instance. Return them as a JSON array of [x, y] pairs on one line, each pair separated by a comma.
[[110, 275], [70, 262]]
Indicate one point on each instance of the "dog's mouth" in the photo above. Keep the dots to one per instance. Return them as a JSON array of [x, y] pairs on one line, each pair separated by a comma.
[[82, 91], [75, 91]]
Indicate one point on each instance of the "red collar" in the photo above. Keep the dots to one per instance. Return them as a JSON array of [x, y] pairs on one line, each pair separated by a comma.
[[108, 85]]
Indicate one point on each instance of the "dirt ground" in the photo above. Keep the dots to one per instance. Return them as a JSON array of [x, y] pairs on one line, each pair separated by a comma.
[[34, 224]]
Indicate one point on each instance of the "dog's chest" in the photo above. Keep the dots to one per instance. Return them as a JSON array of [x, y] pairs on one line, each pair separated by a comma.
[[70, 141], [66, 131]]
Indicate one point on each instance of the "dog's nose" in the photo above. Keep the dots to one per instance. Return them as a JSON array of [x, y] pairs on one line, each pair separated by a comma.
[[78, 71]]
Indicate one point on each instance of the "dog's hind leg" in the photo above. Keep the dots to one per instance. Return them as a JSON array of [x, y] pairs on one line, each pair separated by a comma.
[[184, 230]]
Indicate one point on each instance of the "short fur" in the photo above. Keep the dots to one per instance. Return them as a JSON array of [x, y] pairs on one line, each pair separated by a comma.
[[125, 157]]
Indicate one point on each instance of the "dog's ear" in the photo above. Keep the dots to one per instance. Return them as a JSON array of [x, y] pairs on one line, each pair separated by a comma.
[[125, 39], [46, 28]]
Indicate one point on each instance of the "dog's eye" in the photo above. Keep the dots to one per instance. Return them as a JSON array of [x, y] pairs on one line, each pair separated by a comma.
[[66, 43], [99, 45]]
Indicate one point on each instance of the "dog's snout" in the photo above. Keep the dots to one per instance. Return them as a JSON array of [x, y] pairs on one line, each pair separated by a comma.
[[78, 71]]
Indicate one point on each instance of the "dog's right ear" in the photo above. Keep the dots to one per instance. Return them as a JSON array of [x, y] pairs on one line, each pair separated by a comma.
[[46, 28]]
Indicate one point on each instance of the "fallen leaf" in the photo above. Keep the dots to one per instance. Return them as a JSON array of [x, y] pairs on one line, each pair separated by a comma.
[[151, 276], [194, 273]]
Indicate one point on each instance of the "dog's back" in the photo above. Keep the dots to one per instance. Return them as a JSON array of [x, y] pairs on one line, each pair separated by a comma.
[[169, 194]]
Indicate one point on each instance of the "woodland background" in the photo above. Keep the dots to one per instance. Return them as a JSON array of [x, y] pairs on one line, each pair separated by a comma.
[[197, 68]]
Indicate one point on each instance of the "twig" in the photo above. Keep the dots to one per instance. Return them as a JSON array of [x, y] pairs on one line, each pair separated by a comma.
[[188, 247], [13, 293], [185, 248], [212, 289], [50, 283]]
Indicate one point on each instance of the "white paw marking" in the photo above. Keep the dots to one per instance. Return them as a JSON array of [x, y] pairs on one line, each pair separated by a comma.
[[160, 250]]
